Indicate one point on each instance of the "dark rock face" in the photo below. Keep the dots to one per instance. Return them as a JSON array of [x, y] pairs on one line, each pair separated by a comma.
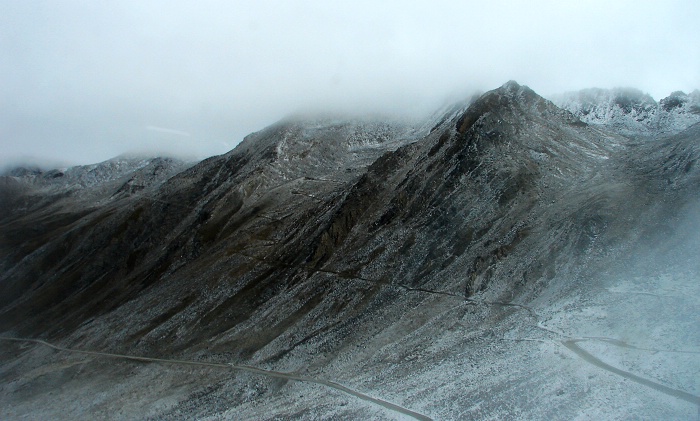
[[332, 245]]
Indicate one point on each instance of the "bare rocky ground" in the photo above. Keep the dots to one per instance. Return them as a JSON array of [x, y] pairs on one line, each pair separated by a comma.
[[503, 261]]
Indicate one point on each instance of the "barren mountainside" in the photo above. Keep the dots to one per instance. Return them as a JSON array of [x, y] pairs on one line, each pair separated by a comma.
[[506, 259]]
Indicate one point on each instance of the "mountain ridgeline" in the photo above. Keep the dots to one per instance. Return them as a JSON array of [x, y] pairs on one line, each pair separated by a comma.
[[395, 257]]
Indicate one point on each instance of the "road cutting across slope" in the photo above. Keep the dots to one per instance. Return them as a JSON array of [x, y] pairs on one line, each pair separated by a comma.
[[250, 369], [590, 358]]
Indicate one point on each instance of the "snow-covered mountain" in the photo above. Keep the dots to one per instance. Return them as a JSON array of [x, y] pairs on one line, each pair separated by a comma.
[[32, 188], [633, 113], [502, 259], [88, 176]]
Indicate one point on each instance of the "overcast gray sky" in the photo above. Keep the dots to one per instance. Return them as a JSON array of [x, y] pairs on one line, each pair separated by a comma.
[[84, 81]]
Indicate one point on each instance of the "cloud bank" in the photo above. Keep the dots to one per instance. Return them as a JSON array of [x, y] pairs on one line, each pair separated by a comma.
[[82, 82]]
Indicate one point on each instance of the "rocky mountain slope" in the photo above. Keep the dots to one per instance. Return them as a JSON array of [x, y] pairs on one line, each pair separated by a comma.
[[633, 113], [500, 260]]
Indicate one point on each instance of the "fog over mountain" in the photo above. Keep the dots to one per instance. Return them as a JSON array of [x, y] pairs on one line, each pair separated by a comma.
[[504, 258], [82, 83], [342, 210]]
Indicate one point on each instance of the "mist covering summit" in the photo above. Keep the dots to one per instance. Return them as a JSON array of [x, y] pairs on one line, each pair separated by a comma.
[[500, 260]]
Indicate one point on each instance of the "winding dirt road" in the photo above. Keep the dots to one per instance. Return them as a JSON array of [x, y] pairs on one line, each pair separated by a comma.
[[590, 358], [269, 373]]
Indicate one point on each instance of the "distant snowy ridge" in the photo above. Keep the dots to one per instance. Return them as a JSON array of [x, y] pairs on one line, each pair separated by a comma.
[[117, 177], [83, 175], [631, 112]]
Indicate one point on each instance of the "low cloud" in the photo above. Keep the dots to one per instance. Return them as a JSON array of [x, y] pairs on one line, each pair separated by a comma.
[[81, 81], [168, 131]]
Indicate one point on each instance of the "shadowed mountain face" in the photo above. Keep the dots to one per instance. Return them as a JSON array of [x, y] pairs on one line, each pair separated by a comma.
[[441, 266]]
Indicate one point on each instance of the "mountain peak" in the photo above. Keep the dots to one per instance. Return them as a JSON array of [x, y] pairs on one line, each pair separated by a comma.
[[511, 95], [511, 85], [342, 249], [513, 89], [631, 112]]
